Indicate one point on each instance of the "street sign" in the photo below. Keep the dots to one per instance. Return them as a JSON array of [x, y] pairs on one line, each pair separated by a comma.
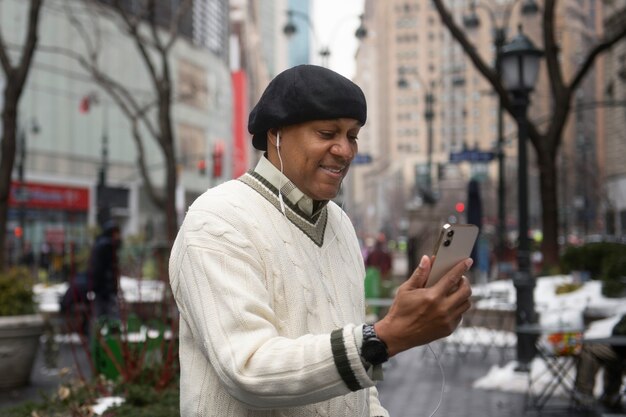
[[362, 158], [471, 155]]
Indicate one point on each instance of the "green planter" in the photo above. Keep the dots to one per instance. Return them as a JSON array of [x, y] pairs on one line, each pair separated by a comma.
[[20, 327]]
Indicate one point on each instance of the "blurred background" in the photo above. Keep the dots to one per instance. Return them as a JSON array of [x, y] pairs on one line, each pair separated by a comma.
[[128, 110]]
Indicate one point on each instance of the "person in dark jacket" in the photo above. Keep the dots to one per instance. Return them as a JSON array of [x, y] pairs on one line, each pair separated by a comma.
[[103, 271], [612, 359]]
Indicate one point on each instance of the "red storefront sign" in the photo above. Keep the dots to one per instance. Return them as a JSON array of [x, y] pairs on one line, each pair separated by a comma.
[[45, 196]]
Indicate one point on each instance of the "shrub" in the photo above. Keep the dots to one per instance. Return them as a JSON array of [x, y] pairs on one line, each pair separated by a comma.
[[590, 257], [16, 292], [76, 399], [614, 276]]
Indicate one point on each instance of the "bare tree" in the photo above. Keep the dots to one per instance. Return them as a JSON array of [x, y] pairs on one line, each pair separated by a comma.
[[547, 141], [15, 75], [154, 31]]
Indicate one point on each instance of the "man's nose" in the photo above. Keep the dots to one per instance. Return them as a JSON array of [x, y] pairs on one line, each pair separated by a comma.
[[344, 148]]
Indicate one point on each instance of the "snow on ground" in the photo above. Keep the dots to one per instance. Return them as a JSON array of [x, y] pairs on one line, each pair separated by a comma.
[[134, 290], [556, 310]]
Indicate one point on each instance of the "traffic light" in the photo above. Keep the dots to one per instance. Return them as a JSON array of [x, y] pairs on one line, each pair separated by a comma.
[[18, 232], [459, 207], [202, 167]]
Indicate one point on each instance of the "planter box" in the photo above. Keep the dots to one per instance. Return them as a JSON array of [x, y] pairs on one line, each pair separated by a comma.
[[19, 341]]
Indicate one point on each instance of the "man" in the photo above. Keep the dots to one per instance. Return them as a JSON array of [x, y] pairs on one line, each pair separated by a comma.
[[268, 275], [103, 270], [596, 356]]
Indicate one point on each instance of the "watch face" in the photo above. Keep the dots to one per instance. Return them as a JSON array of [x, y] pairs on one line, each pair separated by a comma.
[[374, 351]]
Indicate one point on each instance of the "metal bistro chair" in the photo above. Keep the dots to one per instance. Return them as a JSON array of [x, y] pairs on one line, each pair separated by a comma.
[[558, 351]]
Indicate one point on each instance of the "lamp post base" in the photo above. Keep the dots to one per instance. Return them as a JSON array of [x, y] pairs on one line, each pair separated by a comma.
[[525, 315]]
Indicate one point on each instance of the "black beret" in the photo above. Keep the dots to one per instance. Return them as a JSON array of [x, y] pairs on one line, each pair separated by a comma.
[[301, 94]]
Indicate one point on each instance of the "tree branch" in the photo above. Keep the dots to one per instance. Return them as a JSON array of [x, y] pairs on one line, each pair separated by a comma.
[[17, 75], [158, 200], [604, 44], [178, 17], [480, 64]]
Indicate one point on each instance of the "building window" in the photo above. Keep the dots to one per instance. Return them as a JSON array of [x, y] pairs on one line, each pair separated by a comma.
[[192, 85], [192, 145]]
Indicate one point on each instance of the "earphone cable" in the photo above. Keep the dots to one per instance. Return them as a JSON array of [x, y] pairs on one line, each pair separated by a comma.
[[443, 381]]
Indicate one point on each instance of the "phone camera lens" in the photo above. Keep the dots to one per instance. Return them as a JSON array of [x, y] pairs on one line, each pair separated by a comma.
[[450, 233], [446, 243]]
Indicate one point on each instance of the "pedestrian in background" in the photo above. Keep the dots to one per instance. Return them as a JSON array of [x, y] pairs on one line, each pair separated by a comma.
[[268, 275], [380, 258], [103, 271]]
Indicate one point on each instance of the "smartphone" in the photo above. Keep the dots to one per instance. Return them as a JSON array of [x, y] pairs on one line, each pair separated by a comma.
[[454, 244]]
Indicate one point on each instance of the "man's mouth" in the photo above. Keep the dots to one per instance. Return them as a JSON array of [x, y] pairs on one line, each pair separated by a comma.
[[333, 169]]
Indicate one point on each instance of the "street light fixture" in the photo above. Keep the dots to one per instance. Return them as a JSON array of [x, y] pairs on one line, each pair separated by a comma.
[[361, 31], [472, 21], [520, 67], [291, 28]]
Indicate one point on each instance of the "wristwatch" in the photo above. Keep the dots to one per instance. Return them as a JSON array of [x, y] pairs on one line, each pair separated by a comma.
[[373, 350]]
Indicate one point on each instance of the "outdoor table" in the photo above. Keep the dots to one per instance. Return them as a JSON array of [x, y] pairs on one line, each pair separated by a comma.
[[608, 340]]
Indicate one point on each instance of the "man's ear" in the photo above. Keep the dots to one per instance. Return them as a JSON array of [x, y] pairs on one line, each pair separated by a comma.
[[272, 136]]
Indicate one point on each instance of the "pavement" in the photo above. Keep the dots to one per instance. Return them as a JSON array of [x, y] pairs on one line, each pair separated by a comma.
[[412, 386], [46, 379]]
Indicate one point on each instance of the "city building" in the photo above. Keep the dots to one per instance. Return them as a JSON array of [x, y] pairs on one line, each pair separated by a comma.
[[614, 206], [433, 120], [74, 135]]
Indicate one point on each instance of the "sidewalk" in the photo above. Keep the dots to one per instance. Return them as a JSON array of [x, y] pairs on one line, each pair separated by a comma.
[[412, 385], [45, 381]]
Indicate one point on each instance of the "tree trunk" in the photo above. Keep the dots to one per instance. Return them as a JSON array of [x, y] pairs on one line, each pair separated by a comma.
[[7, 160], [15, 79], [548, 186], [169, 152]]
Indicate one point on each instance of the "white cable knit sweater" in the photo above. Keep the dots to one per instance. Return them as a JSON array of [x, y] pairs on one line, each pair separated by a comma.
[[260, 297]]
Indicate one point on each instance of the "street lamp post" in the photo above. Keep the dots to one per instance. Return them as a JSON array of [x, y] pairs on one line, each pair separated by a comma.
[[520, 66], [22, 190], [103, 204], [429, 116], [472, 21]]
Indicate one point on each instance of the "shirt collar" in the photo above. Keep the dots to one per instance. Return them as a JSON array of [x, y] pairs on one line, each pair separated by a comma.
[[287, 188]]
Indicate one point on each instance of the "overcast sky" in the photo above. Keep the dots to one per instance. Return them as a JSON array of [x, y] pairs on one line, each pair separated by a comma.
[[335, 22]]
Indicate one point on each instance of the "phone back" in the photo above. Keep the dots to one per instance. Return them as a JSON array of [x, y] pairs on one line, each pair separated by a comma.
[[454, 244]]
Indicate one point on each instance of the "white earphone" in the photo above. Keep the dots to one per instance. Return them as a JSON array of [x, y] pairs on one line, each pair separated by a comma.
[[280, 194]]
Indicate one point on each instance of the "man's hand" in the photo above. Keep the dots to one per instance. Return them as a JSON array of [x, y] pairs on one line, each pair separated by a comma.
[[420, 315]]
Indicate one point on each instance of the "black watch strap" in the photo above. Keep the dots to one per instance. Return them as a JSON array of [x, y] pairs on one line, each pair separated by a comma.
[[373, 350], [369, 332]]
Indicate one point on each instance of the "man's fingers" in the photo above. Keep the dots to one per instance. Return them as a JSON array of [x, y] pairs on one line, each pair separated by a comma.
[[452, 279], [420, 275]]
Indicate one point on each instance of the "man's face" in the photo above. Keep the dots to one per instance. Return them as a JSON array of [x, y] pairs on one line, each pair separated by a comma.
[[316, 155]]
